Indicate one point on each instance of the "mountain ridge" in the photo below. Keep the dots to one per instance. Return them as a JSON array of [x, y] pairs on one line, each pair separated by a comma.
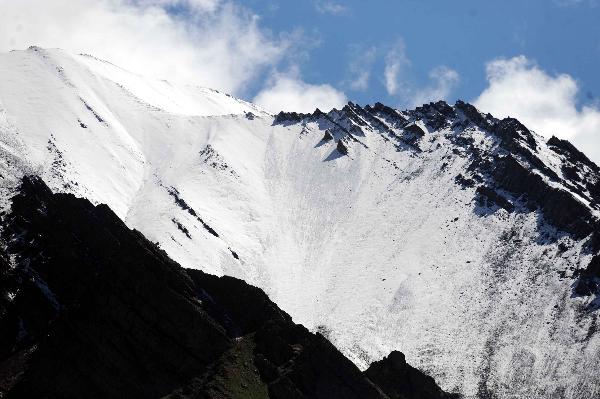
[[444, 232]]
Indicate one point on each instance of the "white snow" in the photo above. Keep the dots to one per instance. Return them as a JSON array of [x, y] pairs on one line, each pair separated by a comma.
[[176, 99], [375, 256]]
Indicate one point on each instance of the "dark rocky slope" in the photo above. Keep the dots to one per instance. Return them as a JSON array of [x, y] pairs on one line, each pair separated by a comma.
[[89, 308], [386, 372]]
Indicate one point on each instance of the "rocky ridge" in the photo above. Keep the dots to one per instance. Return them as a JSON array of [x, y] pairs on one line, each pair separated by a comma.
[[509, 174]]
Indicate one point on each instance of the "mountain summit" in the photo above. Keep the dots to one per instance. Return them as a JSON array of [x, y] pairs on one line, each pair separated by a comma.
[[469, 243]]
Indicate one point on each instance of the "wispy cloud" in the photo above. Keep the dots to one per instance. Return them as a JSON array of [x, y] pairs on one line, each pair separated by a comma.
[[544, 102], [395, 61], [329, 7], [360, 67], [190, 5]]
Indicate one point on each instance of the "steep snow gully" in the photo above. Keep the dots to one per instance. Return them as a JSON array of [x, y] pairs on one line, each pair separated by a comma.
[[469, 243]]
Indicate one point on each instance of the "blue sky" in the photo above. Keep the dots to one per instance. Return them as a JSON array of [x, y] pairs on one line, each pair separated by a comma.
[[563, 37], [537, 60]]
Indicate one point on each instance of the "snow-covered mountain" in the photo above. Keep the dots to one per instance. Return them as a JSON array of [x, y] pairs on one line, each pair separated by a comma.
[[469, 243]]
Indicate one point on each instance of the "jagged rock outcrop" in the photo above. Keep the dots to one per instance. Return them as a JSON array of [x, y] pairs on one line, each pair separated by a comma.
[[92, 309]]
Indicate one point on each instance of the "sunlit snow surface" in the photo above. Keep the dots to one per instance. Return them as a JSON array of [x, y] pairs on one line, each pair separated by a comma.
[[377, 250]]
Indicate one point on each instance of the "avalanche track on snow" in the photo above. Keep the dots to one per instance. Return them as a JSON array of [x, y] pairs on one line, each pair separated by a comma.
[[466, 242]]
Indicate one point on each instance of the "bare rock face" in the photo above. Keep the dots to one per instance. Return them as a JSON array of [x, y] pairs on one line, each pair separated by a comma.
[[342, 148], [399, 380], [92, 309]]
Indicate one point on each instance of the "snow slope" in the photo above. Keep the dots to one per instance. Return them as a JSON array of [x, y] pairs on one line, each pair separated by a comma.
[[353, 223]]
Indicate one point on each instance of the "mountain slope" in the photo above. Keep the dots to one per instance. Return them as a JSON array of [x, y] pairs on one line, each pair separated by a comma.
[[467, 242], [92, 309]]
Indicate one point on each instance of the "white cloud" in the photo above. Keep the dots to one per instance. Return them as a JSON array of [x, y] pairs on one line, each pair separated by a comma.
[[444, 80], [360, 67], [395, 61], [329, 7], [214, 43], [287, 92], [544, 102]]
